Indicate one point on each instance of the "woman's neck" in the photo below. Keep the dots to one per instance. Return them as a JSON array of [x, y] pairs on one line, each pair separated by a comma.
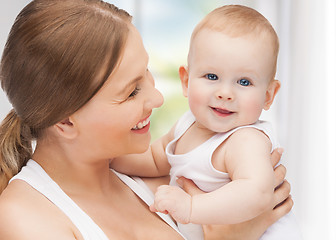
[[74, 172]]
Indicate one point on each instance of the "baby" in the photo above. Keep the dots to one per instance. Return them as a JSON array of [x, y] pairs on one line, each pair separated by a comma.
[[220, 143]]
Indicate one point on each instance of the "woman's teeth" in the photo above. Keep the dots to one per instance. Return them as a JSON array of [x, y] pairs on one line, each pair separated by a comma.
[[141, 124]]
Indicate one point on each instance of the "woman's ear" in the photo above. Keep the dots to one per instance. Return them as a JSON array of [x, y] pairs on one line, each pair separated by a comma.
[[271, 92], [184, 76], [66, 128]]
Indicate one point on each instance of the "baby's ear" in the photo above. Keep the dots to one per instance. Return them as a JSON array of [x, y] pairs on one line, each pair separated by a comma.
[[184, 76], [66, 128], [272, 90]]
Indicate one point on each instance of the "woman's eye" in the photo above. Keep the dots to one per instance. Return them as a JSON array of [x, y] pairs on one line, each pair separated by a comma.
[[244, 82], [211, 76], [135, 92]]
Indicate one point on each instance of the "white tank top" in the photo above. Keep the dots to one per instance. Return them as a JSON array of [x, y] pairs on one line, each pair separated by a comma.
[[35, 176], [196, 164]]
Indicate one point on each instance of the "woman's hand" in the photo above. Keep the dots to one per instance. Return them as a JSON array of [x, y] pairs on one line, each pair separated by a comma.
[[253, 229]]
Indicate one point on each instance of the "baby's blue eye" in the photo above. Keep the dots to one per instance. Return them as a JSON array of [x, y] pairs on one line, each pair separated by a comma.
[[244, 82], [211, 76]]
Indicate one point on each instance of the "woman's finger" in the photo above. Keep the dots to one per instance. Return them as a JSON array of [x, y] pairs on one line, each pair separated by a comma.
[[279, 174], [284, 208], [276, 156], [281, 193], [188, 186]]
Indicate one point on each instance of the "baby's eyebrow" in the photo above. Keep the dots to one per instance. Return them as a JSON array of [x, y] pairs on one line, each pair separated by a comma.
[[251, 72]]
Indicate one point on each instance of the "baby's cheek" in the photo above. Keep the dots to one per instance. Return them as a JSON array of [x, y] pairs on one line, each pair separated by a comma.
[[254, 109], [196, 96]]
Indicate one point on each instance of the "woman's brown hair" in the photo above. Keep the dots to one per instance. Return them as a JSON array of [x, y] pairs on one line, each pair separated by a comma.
[[58, 54]]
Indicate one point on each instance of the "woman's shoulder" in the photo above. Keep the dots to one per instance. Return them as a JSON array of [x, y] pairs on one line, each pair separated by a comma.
[[26, 214], [15, 200]]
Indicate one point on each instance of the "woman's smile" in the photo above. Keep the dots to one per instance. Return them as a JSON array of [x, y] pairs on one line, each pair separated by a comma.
[[142, 125]]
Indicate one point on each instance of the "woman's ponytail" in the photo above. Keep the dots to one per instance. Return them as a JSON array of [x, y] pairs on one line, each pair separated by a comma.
[[15, 147]]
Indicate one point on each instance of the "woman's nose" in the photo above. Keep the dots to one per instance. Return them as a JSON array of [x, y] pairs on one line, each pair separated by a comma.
[[157, 99], [154, 96]]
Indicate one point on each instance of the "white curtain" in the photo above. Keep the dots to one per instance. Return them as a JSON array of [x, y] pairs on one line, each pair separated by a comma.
[[306, 108], [310, 140]]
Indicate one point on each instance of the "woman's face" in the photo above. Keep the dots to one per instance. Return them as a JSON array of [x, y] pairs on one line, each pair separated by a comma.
[[116, 120]]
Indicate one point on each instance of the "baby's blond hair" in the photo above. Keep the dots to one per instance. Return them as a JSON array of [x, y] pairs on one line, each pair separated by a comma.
[[237, 21]]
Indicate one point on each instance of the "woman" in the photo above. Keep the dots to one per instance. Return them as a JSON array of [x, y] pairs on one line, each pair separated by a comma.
[[76, 74]]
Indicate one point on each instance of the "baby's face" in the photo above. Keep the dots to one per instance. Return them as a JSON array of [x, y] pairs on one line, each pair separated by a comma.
[[228, 79]]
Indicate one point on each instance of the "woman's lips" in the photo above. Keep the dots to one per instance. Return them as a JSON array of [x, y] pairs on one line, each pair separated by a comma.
[[142, 124]]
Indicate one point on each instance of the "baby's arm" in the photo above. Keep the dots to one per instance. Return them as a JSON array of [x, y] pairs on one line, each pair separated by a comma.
[[152, 163], [247, 159]]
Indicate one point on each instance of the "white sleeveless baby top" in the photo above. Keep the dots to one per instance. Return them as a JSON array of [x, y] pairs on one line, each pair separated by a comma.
[[35, 176], [197, 166]]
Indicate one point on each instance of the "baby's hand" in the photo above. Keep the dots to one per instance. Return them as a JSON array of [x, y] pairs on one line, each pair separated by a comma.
[[173, 200]]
